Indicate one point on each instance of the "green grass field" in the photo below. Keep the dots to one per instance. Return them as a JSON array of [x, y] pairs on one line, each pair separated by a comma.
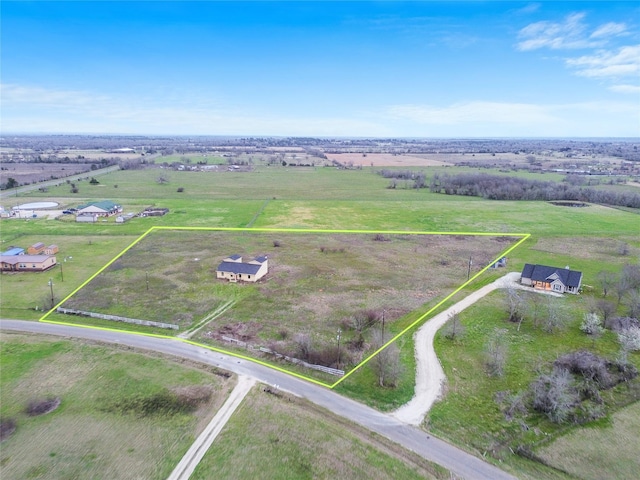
[[88, 436], [603, 451], [301, 441], [587, 239]]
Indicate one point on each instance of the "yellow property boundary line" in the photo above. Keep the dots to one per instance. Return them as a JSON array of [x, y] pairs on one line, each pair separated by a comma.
[[420, 319]]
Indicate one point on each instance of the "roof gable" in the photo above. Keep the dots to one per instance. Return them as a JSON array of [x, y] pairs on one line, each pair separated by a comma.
[[544, 273], [235, 267]]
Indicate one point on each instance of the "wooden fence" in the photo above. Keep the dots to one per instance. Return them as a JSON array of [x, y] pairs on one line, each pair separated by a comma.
[[297, 361], [116, 318]]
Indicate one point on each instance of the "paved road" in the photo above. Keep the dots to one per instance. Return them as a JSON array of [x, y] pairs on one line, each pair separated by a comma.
[[457, 461]]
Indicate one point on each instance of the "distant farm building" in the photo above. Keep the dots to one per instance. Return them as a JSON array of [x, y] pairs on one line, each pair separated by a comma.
[[154, 212], [26, 263], [500, 263], [559, 280], [234, 269], [105, 208], [36, 249], [51, 250]]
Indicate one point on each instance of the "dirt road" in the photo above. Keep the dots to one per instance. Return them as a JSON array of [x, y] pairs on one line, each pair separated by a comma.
[[191, 459], [430, 377]]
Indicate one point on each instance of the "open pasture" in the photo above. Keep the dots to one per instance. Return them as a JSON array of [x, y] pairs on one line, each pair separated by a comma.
[[303, 441], [27, 172], [105, 426], [603, 451], [318, 283]]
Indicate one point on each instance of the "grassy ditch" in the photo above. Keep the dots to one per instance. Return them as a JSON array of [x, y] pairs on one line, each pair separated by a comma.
[[121, 415]]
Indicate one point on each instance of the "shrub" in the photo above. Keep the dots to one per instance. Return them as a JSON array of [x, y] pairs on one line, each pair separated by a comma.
[[591, 324]]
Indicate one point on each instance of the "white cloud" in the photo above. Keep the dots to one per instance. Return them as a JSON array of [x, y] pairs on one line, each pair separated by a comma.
[[569, 34], [37, 109], [527, 9], [625, 88], [483, 118], [609, 29], [605, 63]]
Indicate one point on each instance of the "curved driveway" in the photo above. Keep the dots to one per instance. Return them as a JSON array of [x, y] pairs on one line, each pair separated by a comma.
[[454, 459]]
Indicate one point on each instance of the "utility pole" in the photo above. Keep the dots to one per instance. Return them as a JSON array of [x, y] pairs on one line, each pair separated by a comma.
[[339, 332], [469, 269], [382, 327], [61, 274], [51, 286], [147, 277]]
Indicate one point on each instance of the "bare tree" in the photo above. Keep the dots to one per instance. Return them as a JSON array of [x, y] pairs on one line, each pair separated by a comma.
[[606, 280], [162, 179], [632, 302], [535, 304], [514, 305], [554, 318], [554, 394], [303, 342], [386, 363], [453, 329], [606, 310], [496, 352]]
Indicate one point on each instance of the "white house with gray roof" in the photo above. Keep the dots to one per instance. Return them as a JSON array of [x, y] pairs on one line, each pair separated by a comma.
[[234, 269]]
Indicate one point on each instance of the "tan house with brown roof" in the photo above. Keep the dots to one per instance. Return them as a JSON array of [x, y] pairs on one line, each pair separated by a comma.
[[26, 263]]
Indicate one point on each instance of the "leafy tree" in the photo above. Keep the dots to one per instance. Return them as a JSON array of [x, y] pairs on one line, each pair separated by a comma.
[[11, 183]]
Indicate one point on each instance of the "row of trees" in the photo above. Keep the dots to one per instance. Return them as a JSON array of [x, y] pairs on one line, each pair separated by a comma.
[[495, 187]]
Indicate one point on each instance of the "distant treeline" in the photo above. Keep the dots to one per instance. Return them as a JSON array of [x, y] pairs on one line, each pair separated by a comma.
[[495, 187], [419, 179]]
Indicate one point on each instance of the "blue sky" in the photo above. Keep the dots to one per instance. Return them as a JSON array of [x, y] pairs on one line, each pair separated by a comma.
[[372, 69]]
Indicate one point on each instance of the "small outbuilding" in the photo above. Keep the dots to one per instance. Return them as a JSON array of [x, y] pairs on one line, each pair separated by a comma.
[[559, 280], [234, 269], [51, 250], [36, 249]]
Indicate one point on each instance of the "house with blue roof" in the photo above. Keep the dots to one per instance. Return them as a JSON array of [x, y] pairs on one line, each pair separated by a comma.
[[234, 269], [13, 251], [559, 280]]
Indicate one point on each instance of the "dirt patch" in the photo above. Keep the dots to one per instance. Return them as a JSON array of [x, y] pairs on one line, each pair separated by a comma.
[[42, 406], [570, 204], [245, 332], [7, 427]]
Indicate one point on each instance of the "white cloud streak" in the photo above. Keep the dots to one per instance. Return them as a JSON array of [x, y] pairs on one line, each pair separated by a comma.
[[604, 63]]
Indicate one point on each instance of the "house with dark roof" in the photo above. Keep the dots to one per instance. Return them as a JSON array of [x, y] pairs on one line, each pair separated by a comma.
[[234, 269], [543, 277]]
